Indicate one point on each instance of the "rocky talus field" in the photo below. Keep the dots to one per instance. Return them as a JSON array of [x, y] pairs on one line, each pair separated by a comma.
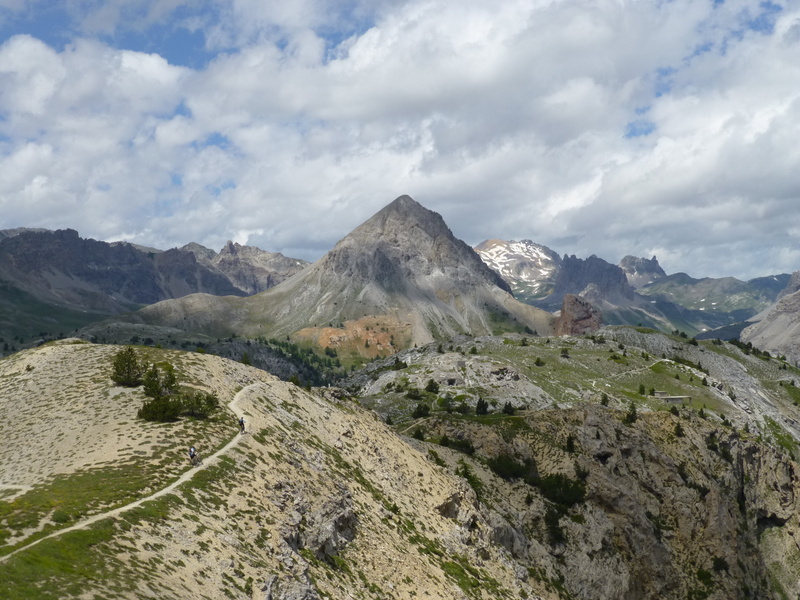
[[573, 485]]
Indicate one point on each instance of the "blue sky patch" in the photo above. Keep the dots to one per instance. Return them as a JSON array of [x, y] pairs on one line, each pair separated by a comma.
[[177, 45], [49, 23], [215, 139], [764, 22], [663, 84], [639, 128]]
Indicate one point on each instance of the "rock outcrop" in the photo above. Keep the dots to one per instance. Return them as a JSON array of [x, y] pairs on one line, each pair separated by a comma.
[[577, 317]]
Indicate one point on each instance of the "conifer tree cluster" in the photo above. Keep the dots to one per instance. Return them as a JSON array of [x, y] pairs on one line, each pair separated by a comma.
[[165, 399]]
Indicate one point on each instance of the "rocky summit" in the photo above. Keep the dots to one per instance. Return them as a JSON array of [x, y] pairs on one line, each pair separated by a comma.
[[641, 271], [250, 269]]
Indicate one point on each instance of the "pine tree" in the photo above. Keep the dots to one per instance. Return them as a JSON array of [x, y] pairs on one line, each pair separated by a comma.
[[127, 371], [432, 387], [152, 383], [160, 382], [631, 415]]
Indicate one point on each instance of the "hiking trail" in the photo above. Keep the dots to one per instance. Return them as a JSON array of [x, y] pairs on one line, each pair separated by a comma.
[[205, 462]]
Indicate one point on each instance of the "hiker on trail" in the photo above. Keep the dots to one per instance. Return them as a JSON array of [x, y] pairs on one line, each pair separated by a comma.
[[241, 424], [192, 454]]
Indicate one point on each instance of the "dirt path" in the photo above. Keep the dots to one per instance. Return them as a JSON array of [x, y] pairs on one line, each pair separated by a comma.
[[206, 462]]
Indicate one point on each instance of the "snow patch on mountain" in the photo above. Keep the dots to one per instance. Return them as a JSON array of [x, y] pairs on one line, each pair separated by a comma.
[[530, 268]]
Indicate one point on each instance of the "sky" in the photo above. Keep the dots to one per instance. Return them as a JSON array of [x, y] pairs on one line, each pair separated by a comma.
[[608, 127]]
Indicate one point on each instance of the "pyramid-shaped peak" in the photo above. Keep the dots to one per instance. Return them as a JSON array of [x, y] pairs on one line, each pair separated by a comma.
[[404, 200], [404, 244], [399, 218], [406, 207]]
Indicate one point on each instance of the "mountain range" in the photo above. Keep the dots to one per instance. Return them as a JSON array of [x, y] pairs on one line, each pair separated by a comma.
[[635, 292], [54, 281], [401, 278]]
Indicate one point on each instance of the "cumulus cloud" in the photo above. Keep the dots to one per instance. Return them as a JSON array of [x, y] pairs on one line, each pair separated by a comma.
[[608, 128]]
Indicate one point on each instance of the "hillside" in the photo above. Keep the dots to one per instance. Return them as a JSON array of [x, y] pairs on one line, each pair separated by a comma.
[[729, 295], [776, 329], [317, 498], [567, 498]]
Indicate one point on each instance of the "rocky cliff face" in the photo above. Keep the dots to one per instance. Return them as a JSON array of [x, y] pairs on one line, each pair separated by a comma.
[[7, 233], [593, 278], [777, 329], [639, 512], [61, 267], [641, 271], [792, 286], [250, 269], [254, 270], [181, 274], [577, 317]]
